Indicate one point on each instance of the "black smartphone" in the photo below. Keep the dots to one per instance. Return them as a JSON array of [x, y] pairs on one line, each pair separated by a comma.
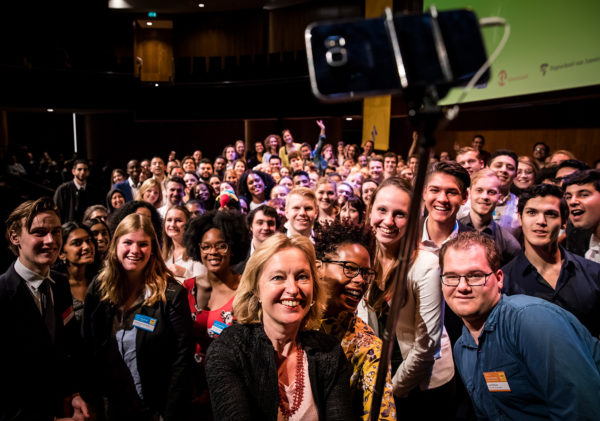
[[366, 57]]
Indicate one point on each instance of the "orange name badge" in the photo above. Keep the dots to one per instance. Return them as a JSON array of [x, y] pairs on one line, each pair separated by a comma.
[[496, 381]]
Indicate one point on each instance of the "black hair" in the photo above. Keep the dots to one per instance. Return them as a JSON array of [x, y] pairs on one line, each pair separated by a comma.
[[543, 190], [109, 196], [573, 163], [546, 147], [205, 161], [546, 173], [267, 179], [275, 156], [232, 225], [357, 203], [300, 172], [329, 236], [130, 207], [583, 177], [455, 170], [268, 211], [177, 180], [507, 152]]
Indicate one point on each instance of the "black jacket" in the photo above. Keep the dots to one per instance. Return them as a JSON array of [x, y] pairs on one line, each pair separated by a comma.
[[164, 356], [242, 375], [36, 374]]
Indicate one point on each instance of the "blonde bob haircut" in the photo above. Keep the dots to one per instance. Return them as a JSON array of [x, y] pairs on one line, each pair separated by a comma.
[[148, 184], [247, 308], [112, 276]]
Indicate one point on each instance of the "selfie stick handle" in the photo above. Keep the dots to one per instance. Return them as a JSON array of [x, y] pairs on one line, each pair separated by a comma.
[[427, 118]]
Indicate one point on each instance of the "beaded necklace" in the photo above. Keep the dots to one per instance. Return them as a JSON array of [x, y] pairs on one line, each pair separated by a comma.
[[284, 405]]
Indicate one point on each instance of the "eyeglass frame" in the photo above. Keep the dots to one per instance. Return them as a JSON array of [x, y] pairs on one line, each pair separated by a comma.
[[214, 246], [485, 279], [359, 270]]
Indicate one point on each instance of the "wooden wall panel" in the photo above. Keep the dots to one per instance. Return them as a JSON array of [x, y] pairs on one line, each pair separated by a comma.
[[155, 48], [221, 34], [583, 142]]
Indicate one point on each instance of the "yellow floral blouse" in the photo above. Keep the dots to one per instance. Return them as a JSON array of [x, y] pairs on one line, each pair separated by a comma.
[[363, 349]]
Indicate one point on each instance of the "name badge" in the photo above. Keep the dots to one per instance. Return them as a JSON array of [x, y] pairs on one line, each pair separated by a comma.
[[218, 327], [68, 315], [496, 381], [143, 322]]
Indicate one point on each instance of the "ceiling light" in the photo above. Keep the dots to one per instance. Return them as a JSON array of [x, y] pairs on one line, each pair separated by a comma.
[[156, 84], [50, 110], [149, 23], [348, 118], [200, 4]]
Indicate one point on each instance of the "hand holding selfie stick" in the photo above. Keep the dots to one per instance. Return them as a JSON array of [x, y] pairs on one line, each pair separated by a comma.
[[426, 117]]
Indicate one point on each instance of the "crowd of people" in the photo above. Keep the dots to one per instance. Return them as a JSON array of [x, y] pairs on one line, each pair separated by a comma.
[[257, 285]]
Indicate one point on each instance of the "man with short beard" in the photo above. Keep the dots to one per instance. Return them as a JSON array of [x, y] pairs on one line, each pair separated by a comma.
[[174, 193], [205, 169], [73, 197], [484, 194]]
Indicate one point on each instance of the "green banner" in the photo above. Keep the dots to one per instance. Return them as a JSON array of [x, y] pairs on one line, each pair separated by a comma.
[[553, 45]]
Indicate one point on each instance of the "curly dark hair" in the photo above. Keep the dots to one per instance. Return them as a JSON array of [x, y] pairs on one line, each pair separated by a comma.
[[130, 207], [232, 225], [243, 185], [330, 236]]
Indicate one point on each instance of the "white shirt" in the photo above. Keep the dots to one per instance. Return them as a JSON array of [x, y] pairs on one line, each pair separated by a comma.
[[593, 252], [135, 188], [428, 244], [33, 281]]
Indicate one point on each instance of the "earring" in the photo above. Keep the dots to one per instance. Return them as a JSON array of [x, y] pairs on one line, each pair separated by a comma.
[[312, 304]]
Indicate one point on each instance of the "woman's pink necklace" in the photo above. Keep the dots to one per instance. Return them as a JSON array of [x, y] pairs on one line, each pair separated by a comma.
[[284, 405]]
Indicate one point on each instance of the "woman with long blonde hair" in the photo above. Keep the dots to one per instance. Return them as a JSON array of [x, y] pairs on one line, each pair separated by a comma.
[[137, 331]]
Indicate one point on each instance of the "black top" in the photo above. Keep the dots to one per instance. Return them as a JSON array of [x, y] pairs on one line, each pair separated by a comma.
[[507, 244], [36, 373], [242, 375], [577, 289], [164, 356]]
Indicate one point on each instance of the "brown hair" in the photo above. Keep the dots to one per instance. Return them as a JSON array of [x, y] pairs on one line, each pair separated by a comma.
[[27, 210], [112, 277], [466, 240], [374, 300]]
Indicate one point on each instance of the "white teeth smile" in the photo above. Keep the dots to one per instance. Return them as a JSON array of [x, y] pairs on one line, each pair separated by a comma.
[[387, 230], [440, 208], [290, 303], [353, 293]]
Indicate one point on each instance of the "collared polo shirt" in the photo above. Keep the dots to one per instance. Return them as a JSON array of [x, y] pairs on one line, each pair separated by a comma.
[[577, 289]]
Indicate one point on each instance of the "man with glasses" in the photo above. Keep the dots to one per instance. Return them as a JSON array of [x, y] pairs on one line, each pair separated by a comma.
[[519, 357], [546, 270], [344, 267], [540, 152]]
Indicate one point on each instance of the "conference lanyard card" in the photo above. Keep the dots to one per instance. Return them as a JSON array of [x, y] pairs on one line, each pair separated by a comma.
[[496, 381], [144, 322], [218, 327]]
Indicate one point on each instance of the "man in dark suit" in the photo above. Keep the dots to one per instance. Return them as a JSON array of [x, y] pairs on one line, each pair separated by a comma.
[[73, 197], [40, 341], [130, 187]]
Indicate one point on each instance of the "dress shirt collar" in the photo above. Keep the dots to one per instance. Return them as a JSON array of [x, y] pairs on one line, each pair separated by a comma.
[[489, 229], [132, 184], [78, 186], [29, 275], [428, 243]]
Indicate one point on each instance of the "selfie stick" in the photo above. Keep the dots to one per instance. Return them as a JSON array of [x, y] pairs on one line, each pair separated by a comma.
[[427, 117]]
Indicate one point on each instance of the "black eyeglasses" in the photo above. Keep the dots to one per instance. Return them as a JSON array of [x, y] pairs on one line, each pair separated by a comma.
[[477, 279], [220, 248], [351, 270]]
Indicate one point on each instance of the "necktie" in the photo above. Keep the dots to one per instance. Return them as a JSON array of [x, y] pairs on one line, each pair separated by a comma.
[[48, 308]]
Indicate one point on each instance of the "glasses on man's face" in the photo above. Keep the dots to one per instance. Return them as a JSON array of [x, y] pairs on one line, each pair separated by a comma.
[[351, 270], [220, 248], [475, 279]]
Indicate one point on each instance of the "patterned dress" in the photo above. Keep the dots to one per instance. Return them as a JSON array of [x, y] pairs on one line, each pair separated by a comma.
[[363, 350]]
